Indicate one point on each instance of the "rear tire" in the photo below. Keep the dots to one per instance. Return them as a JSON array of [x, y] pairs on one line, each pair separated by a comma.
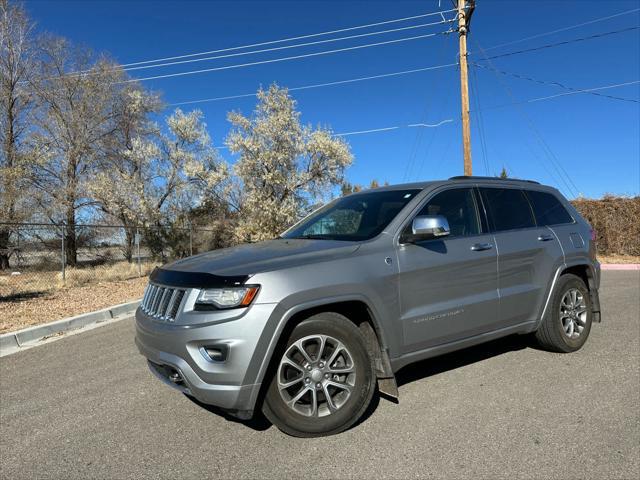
[[326, 388], [567, 322]]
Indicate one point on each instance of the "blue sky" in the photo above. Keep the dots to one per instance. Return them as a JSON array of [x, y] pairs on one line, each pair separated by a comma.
[[594, 141]]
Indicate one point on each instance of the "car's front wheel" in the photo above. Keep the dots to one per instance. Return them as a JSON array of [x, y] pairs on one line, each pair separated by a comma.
[[324, 380]]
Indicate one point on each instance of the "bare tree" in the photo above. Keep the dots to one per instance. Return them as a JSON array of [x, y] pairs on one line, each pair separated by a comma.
[[17, 67], [161, 176], [117, 164], [76, 116]]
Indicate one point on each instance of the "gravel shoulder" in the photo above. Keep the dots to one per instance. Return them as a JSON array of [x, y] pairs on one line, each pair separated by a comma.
[[67, 302], [87, 407]]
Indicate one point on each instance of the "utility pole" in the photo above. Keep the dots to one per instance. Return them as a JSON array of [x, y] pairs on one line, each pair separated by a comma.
[[465, 9]]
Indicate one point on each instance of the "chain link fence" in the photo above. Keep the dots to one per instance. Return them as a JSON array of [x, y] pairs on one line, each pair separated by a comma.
[[38, 257]]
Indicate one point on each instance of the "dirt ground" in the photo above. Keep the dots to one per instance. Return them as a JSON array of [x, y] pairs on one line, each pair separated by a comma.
[[47, 306]]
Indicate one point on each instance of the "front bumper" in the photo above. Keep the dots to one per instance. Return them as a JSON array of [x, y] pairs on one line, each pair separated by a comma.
[[233, 384]]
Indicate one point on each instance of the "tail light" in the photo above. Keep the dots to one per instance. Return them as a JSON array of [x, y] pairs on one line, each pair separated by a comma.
[[593, 234]]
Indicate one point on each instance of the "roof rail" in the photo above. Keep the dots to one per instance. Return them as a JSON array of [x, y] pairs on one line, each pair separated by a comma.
[[473, 177]]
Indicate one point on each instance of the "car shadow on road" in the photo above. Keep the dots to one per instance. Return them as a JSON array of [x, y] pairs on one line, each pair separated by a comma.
[[461, 358], [450, 361], [410, 373], [258, 422]]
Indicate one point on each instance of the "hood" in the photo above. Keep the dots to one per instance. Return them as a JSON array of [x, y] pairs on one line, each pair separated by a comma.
[[270, 255]]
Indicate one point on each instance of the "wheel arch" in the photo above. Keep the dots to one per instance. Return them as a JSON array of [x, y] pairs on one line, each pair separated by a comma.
[[585, 271], [356, 308]]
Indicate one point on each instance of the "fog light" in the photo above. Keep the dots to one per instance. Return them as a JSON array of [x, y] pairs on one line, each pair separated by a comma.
[[215, 353]]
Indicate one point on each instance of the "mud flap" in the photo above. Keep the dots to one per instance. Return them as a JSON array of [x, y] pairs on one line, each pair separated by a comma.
[[386, 379], [595, 301], [389, 388]]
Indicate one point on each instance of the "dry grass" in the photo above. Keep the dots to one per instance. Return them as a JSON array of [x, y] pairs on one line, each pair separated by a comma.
[[30, 283], [67, 302], [75, 277], [618, 258], [33, 298]]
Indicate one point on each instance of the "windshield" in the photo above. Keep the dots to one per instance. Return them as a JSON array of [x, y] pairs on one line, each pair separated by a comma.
[[353, 218]]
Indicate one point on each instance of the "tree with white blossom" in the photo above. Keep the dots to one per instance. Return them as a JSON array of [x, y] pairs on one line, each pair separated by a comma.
[[283, 167]]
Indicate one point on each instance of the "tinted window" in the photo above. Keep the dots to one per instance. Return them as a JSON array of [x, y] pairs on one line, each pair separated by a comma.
[[458, 207], [548, 209], [356, 217], [508, 208]]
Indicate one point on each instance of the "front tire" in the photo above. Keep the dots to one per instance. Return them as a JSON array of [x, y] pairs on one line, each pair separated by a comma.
[[323, 381], [567, 322]]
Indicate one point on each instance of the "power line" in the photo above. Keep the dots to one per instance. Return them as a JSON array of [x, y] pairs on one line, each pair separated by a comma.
[[384, 129], [431, 125], [564, 29], [550, 155], [359, 132], [450, 120], [565, 42], [319, 85], [478, 119], [558, 84], [289, 39], [284, 59], [587, 90], [297, 45], [417, 143], [396, 127], [550, 97]]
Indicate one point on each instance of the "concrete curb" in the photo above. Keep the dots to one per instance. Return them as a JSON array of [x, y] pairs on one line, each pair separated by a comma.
[[620, 266], [14, 341]]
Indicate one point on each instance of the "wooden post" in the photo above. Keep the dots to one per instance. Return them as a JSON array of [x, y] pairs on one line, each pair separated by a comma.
[[464, 87]]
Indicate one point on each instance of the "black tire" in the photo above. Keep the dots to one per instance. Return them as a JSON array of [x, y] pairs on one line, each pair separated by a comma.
[[551, 334], [296, 424]]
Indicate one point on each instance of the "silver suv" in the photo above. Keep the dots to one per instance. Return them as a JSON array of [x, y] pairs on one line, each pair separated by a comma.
[[305, 326]]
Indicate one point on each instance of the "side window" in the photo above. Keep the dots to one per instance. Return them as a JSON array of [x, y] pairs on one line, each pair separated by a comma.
[[548, 209], [459, 208], [508, 208]]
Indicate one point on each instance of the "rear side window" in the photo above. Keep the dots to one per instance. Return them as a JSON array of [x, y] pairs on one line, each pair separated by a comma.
[[508, 208], [548, 209]]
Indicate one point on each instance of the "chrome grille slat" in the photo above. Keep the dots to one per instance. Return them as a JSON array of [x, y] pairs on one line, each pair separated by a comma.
[[161, 302], [147, 296], [170, 305], [152, 297], [176, 305], [164, 302], [156, 300]]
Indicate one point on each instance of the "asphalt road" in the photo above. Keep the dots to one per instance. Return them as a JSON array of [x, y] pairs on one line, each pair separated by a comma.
[[86, 407]]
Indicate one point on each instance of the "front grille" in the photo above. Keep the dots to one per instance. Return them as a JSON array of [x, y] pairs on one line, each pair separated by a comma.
[[161, 302]]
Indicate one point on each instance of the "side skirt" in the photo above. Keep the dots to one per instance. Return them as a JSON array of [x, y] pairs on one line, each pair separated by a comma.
[[399, 362]]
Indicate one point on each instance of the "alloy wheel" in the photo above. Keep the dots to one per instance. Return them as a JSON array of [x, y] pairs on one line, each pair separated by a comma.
[[316, 376], [573, 313]]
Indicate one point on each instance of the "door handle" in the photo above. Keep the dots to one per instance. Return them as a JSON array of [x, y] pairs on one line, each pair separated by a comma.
[[545, 238], [478, 247]]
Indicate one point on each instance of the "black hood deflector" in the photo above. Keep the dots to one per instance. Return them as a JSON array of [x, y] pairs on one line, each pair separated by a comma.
[[187, 279]]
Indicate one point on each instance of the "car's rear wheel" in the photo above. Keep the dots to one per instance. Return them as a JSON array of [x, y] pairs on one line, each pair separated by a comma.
[[567, 322], [324, 380]]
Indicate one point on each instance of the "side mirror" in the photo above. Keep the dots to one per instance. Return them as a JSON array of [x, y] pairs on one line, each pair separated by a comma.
[[426, 227]]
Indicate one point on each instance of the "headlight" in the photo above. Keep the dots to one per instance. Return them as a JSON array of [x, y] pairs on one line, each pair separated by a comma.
[[232, 297]]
